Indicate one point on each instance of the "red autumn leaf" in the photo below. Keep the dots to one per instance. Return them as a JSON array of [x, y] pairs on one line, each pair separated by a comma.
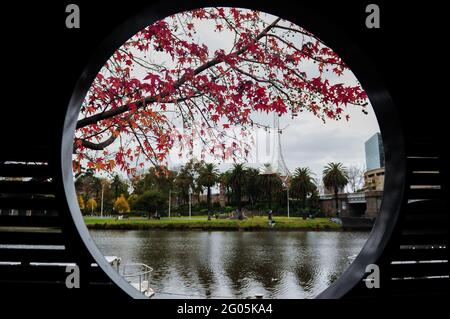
[[135, 98]]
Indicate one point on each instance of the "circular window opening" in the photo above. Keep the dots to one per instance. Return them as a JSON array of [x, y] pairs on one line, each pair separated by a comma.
[[221, 119]]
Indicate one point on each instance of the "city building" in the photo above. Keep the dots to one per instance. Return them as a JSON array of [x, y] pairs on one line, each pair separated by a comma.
[[374, 152], [374, 175], [374, 179]]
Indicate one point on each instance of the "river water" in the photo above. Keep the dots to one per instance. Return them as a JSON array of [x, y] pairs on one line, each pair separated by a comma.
[[224, 264]]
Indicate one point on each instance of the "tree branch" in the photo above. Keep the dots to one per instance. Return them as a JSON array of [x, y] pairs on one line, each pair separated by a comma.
[[97, 146], [141, 103]]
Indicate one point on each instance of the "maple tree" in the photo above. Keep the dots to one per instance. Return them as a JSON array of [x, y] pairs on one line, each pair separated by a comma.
[[121, 205], [164, 88], [81, 202], [91, 205]]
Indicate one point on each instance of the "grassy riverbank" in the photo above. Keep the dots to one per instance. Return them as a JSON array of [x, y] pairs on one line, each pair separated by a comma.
[[201, 223]]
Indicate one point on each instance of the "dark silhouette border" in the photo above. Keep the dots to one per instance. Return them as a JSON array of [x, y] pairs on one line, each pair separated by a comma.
[[364, 70]]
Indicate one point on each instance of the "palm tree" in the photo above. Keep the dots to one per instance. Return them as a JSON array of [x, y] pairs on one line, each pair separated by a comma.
[[335, 176], [237, 178], [302, 184], [208, 175]]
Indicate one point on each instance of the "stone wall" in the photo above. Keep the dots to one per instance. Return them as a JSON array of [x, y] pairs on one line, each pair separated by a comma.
[[327, 206], [373, 202]]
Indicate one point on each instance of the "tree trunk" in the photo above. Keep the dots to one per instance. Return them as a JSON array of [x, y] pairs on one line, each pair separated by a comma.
[[238, 195], [336, 201], [208, 201]]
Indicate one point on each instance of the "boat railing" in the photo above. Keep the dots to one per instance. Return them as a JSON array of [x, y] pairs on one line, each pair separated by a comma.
[[136, 273]]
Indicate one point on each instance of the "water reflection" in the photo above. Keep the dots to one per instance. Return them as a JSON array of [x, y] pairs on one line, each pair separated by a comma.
[[235, 264]]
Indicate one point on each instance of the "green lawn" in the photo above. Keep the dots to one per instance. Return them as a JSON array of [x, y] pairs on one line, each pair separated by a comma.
[[201, 223]]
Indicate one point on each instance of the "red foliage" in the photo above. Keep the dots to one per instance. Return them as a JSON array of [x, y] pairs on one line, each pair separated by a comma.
[[210, 93]]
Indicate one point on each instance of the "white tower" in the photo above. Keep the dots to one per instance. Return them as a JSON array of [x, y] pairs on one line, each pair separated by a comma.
[[277, 162]]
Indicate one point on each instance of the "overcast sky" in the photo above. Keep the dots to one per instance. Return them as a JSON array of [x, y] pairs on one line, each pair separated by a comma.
[[306, 140]]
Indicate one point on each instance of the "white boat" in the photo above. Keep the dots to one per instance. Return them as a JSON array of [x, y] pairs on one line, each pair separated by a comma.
[[137, 274]]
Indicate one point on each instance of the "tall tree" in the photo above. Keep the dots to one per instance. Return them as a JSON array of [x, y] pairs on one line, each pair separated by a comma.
[[237, 178], [302, 184], [253, 185], [208, 175], [151, 201], [270, 181], [91, 205], [88, 185], [270, 65], [335, 177], [132, 200], [119, 186], [155, 178], [121, 205], [185, 181], [225, 181]]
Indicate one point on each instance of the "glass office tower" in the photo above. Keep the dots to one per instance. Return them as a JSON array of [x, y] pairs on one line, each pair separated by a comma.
[[374, 152]]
